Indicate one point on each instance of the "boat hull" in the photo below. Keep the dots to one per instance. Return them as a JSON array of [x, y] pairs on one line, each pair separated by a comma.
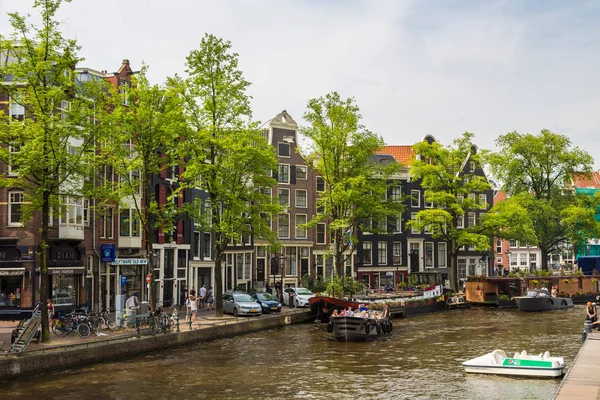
[[543, 303], [497, 363], [355, 328]]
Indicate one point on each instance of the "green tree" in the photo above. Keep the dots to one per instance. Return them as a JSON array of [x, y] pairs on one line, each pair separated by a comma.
[[49, 150], [447, 184], [228, 156], [538, 171], [146, 129], [356, 186]]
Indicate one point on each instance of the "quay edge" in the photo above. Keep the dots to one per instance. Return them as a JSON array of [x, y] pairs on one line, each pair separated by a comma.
[[62, 357]]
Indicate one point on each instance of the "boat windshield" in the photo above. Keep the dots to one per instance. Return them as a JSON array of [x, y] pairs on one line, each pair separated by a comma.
[[536, 293]]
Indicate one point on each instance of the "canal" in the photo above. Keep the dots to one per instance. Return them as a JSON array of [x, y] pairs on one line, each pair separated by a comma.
[[419, 360]]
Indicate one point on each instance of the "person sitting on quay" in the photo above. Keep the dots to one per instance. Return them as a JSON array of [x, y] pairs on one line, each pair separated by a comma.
[[590, 312]]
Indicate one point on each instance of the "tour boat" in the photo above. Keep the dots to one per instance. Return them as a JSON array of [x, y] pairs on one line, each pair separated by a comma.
[[357, 328], [540, 300], [520, 364]]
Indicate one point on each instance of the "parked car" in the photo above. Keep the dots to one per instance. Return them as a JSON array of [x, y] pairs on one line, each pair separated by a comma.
[[267, 301], [301, 296], [240, 304]]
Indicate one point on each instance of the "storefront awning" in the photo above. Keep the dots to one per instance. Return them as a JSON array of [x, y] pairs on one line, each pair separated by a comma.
[[66, 270], [12, 271]]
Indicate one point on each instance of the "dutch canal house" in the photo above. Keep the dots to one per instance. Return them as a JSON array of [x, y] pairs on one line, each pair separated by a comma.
[[251, 263], [389, 258], [97, 253]]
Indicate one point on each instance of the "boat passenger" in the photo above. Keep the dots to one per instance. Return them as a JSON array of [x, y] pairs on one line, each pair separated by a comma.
[[553, 292], [335, 313], [362, 307], [376, 315], [343, 313], [363, 314], [349, 312], [386, 311]]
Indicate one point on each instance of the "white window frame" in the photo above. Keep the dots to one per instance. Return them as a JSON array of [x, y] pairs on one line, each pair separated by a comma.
[[382, 256], [12, 197], [398, 224], [289, 149], [303, 168], [280, 168], [414, 229], [73, 211], [305, 198], [13, 149], [324, 233], [279, 192], [16, 109], [320, 178], [397, 253], [460, 222], [442, 254], [472, 166], [483, 199], [279, 226], [471, 218], [301, 233], [396, 194], [415, 201], [367, 250]]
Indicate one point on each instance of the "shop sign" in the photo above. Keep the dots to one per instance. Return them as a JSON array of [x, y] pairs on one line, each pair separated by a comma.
[[107, 252], [65, 271], [64, 256], [9, 254], [130, 261], [8, 272]]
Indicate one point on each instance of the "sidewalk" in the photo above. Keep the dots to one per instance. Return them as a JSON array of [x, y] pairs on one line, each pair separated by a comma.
[[204, 319]]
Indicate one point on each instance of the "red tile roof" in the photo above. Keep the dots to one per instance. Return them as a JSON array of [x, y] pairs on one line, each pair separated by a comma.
[[591, 181], [402, 154], [499, 197]]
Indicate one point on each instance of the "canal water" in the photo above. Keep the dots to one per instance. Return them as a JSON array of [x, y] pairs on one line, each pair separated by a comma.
[[421, 359]]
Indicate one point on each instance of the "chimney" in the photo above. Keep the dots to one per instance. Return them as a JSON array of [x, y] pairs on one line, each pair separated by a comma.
[[125, 61]]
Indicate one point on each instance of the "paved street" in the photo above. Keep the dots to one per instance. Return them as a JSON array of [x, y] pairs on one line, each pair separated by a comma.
[[204, 319]]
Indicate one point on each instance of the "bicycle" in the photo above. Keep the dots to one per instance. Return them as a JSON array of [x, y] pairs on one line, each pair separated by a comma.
[[65, 325]]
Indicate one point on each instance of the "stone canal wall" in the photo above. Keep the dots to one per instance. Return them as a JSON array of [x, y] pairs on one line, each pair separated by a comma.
[[56, 358]]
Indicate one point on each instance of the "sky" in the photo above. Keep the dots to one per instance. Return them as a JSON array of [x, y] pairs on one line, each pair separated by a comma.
[[439, 67]]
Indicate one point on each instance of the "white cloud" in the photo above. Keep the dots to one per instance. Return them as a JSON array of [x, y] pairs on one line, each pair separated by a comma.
[[413, 67]]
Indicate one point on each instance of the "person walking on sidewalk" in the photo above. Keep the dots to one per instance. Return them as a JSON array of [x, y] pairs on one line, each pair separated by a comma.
[[202, 296], [210, 299], [183, 296], [191, 308]]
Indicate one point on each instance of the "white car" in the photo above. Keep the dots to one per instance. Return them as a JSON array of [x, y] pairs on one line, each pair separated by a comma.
[[300, 295]]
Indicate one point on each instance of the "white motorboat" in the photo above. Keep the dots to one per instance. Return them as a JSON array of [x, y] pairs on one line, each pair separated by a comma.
[[520, 364]]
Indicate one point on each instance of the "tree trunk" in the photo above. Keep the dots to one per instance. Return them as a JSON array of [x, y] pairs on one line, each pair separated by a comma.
[[44, 269], [544, 260], [339, 255], [454, 268], [218, 290]]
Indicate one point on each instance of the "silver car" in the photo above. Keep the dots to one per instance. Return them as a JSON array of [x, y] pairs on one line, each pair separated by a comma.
[[240, 304]]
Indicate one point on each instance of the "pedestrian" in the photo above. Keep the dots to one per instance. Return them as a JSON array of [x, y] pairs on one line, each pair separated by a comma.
[[191, 309], [183, 296], [268, 288], [193, 291], [51, 310], [210, 299], [202, 296]]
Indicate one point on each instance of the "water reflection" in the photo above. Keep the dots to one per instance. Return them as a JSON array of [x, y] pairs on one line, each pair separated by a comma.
[[419, 360]]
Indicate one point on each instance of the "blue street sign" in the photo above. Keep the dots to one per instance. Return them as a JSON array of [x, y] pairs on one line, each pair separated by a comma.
[[107, 252], [123, 281]]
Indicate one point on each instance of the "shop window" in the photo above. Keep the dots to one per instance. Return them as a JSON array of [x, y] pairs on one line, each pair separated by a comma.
[[64, 289], [10, 288]]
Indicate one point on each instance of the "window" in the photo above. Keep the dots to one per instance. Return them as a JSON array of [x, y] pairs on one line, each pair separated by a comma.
[[513, 259], [17, 110], [283, 149], [267, 191], [129, 223], [413, 218], [461, 266], [283, 225], [283, 175], [300, 231], [382, 253], [460, 198], [72, 213], [498, 246], [13, 150], [396, 193], [483, 199], [320, 184], [472, 197], [460, 222], [15, 201], [427, 204], [284, 197], [207, 246], [397, 253], [301, 198], [523, 259], [367, 253], [472, 166], [109, 222], [415, 200], [86, 212], [65, 108], [471, 219], [513, 243], [321, 233], [428, 254], [124, 92], [64, 289], [301, 172], [442, 254], [398, 225], [197, 244]]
